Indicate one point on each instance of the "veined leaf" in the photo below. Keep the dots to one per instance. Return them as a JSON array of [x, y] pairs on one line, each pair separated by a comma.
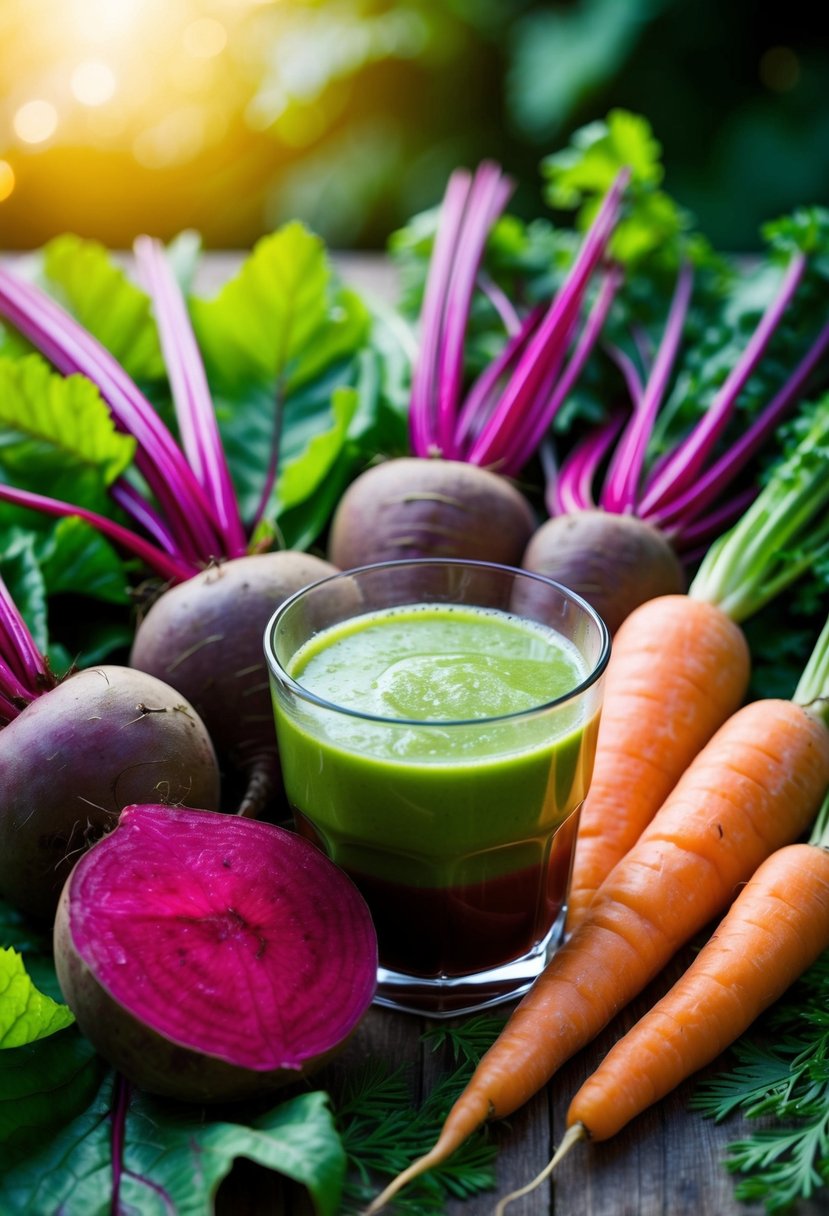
[[247, 424], [361, 423], [24, 579], [172, 1159], [299, 479], [75, 558], [85, 278], [25, 1013], [283, 316], [58, 435], [43, 1086], [35, 944]]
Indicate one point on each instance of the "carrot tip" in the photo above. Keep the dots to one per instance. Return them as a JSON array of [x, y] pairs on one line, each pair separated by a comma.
[[573, 1134], [412, 1171]]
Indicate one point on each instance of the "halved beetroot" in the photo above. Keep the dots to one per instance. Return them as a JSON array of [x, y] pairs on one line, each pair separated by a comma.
[[210, 957]]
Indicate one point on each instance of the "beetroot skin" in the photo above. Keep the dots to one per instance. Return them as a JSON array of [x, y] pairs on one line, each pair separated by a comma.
[[615, 562], [204, 637], [76, 756], [413, 507], [211, 958]]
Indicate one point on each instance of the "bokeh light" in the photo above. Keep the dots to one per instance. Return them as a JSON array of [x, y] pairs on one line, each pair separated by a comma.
[[204, 38], [93, 82], [35, 121], [780, 69], [7, 180]]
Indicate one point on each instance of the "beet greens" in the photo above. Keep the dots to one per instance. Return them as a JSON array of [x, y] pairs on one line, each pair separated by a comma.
[[500, 420], [187, 528], [678, 491], [469, 438]]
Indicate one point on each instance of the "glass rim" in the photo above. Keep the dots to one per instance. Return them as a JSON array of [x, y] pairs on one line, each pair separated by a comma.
[[280, 674]]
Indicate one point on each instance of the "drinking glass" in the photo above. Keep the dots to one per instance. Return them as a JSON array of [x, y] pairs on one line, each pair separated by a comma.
[[436, 722]]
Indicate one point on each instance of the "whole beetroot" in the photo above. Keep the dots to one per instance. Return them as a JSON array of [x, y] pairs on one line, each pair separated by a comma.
[[210, 958], [204, 636], [75, 757], [615, 562], [412, 507]]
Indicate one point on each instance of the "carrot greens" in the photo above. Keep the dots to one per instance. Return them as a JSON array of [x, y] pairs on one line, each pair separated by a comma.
[[781, 1074], [783, 533]]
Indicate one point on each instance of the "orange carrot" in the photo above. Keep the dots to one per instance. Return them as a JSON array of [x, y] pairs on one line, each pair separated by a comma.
[[680, 663], [777, 927], [679, 668], [774, 930], [753, 788]]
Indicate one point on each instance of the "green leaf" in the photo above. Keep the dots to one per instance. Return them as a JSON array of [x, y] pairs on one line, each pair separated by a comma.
[[25, 1013], [652, 224], [300, 478], [58, 437], [90, 284], [43, 1086], [75, 558], [24, 579], [35, 944], [780, 1075], [283, 316], [68, 559], [172, 1160], [595, 155], [372, 422]]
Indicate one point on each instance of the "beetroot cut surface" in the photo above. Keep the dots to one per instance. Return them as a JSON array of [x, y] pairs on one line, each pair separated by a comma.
[[209, 956]]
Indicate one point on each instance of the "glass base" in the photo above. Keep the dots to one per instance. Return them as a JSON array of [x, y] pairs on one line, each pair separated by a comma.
[[448, 996]]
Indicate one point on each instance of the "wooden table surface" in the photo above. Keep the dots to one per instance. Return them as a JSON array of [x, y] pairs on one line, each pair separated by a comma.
[[669, 1162]]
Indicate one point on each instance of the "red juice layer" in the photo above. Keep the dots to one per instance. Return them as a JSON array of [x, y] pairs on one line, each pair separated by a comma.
[[459, 930]]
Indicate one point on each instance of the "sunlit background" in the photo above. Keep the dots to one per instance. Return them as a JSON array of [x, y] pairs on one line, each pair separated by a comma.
[[229, 116]]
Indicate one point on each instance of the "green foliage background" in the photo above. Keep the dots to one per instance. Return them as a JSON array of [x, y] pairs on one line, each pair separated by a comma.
[[351, 114], [739, 100]]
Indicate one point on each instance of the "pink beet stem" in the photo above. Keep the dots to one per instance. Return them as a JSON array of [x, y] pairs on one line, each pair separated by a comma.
[[548, 346], [621, 485], [24, 668], [175, 569], [71, 349], [482, 396], [137, 507], [629, 371], [714, 523], [422, 425], [502, 304], [679, 472], [191, 394], [544, 410], [486, 200], [684, 508], [572, 489]]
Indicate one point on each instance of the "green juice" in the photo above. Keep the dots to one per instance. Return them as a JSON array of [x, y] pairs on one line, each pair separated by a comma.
[[442, 777]]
